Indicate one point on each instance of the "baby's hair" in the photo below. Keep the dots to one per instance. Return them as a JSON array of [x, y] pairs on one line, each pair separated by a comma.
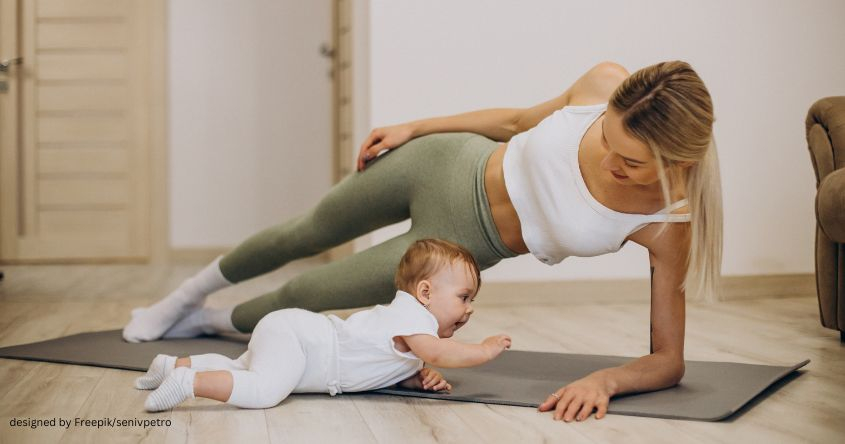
[[426, 257]]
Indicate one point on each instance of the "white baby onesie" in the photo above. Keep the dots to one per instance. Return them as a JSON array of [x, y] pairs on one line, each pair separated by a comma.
[[367, 357], [298, 351]]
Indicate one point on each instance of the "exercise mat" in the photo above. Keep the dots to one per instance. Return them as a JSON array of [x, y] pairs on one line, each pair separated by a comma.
[[709, 391]]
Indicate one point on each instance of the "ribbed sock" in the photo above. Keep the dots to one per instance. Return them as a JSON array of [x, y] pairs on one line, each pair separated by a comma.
[[150, 323], [204, 321], [160, 368], [175, 389]]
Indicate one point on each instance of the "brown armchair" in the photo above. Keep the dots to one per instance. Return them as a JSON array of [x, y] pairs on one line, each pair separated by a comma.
[[826, 141]]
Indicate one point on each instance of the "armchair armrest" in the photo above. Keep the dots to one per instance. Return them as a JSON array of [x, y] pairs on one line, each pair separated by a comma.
[[830, 205]]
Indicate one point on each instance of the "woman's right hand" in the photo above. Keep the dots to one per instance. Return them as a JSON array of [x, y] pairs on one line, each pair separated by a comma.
[[381, 139], [495, 345]]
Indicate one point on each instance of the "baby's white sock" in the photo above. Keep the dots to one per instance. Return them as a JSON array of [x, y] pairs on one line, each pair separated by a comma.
[[148, 324], [175, 389], [205, 321], [160, 368]]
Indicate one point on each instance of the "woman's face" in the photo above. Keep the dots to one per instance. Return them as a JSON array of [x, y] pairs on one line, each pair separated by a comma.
[[627, 160]]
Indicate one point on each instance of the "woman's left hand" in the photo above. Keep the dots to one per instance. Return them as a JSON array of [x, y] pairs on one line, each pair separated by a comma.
[[578, 399]]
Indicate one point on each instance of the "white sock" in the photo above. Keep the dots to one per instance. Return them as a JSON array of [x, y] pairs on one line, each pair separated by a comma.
[[175, 389], [204, 321], [160, 368], [148, 324]]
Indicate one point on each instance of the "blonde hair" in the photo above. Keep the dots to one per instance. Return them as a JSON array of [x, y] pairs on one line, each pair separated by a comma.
[[425, 257], [667, 106]]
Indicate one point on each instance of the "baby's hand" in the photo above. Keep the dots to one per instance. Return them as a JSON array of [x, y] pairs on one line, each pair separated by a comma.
[[496, 345], [431, 379]]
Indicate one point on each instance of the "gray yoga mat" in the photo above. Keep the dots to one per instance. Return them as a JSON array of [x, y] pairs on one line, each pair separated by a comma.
[[710, 391]]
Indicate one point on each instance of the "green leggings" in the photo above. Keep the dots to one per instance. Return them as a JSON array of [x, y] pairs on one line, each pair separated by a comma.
[[436, 180]]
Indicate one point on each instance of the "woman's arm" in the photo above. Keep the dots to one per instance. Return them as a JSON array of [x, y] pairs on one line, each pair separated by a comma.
[[594, 86], [500, 124], [664, 367], [448, 353]]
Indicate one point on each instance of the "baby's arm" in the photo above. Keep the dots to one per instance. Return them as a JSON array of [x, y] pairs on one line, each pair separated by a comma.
[[448, 353]]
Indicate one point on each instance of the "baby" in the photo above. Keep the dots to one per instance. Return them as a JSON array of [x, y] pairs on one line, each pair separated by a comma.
[[298, 351]]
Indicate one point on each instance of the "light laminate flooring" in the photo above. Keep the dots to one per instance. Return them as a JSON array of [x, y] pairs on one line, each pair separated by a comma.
[[43, 302]]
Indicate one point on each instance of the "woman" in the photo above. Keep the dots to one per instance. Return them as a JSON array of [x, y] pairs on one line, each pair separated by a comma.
[[616, 157]]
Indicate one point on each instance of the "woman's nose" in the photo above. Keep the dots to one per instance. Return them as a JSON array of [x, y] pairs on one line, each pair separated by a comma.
[[609, 162]]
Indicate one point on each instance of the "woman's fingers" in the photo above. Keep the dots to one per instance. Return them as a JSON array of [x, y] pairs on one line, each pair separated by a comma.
[[373, 152], [571, 403], [550, 402], [361, 153], [364, 153], [602, 408], [574, 405], [563, 405], [585, 411]]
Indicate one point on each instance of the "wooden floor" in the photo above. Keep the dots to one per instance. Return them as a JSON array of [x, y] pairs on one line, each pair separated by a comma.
[[42, 302]]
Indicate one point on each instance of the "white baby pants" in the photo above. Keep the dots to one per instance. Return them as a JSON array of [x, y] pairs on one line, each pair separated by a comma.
[[291, 350]]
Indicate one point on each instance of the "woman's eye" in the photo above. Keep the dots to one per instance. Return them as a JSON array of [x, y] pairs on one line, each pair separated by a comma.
[[631, 166]]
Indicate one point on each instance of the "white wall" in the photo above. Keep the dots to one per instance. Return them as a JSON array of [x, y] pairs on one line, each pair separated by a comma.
[[236, 99], [764, 63], [250, 116]]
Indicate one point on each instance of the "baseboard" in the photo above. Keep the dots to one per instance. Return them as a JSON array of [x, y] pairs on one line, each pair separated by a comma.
[[639, 290]]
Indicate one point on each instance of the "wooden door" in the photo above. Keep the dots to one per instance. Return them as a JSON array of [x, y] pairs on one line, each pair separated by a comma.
[[82, 126]]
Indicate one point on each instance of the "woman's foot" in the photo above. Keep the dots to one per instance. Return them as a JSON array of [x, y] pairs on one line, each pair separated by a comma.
[[159, 370], [203, 321], [150, 323], [175, 389]]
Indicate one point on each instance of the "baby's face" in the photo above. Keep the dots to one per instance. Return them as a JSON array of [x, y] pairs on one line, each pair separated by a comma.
[[451, 292]]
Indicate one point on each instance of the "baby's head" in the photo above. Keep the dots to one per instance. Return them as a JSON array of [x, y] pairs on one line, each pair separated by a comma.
[[444, 277]]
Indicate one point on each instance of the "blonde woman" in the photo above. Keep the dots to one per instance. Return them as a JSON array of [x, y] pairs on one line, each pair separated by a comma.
[[617, 157]]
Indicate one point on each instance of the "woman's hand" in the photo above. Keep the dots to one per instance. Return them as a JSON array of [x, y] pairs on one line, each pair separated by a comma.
[[494, 345], [431, 379], [578, 399], [381, 139]]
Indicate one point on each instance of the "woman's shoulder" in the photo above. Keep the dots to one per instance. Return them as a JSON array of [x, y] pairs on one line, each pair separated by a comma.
[[597, 84]]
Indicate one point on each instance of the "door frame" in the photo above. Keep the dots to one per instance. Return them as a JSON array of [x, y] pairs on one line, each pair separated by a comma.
[[10, 47], [159, 134], [343, 111]]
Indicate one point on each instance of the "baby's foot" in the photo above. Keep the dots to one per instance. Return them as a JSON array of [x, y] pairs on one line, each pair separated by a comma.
[[175, 389], [160, 368]]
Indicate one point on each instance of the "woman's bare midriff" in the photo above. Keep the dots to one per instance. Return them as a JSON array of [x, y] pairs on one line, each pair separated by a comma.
[[501, 208]]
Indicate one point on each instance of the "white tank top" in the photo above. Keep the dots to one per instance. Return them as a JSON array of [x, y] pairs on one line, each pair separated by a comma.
[[559, 216]]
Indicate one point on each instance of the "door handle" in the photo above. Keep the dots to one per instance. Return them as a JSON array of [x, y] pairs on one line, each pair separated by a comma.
[[6, 64]]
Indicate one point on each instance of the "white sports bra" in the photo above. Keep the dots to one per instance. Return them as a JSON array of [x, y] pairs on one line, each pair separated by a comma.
[[559, 216]]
